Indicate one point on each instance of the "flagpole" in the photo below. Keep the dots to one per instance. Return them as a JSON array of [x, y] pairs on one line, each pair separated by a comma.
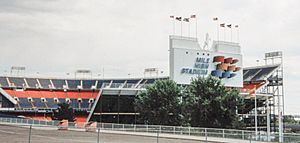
[[238, 34], [224, 33], [196, 27], [189, 28], [181, 27], [231, 34], [174, 26], [218, 29], [218, 24]]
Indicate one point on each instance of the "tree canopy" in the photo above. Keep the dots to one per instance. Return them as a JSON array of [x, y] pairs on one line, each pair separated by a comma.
[[206, 102], [160, 103], [212, 104]]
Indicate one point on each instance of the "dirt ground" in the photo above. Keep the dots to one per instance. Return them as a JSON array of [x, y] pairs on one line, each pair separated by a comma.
[[16, 134]]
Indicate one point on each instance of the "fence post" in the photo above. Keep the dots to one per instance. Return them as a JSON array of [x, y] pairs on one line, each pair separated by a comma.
[[223, 133], [147, 128], [174, 130], [123, 127], [159, 129], [243, 134], [134, 128], [189, 131], [157, 138], [205, 130], [29, 138], [98, 135]]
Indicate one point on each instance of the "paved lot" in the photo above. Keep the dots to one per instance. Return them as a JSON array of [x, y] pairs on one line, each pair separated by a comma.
[[16, 134]]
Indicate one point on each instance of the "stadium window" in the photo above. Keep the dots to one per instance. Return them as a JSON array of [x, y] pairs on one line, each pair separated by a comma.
[[186, 52], [203, 54], [197, 53]]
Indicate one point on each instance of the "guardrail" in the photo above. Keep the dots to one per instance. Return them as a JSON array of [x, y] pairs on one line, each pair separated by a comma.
[[175, 130]]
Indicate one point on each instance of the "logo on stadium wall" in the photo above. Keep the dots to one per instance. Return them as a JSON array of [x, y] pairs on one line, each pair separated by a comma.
[[225, 67]]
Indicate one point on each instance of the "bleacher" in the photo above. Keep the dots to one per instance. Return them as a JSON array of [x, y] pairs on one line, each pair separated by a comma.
[[24, 103], [45, 83], [62, 100], [84, 103], [257, 77], [37, 102], [74, 103], [49, 96], [54, 90], [51, 103], [99, 84], [87, 84], [46, 93], [32, 82], [258, 73], [264, 73], [73, 84], [17, 82], [58, 83]]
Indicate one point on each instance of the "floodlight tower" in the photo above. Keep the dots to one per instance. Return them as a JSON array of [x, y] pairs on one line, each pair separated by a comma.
[[276, 88], [17, 71], [150, 71], [85, 74]]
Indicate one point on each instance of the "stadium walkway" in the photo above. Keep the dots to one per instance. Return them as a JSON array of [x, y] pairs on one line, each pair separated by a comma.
[[153, 135], [183, 137]]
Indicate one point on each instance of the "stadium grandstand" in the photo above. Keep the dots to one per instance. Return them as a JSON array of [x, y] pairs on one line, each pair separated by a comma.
[[112, 100], [37, 97]]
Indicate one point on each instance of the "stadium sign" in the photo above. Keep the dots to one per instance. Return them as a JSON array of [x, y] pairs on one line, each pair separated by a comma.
[[200, 67], [188, 61]]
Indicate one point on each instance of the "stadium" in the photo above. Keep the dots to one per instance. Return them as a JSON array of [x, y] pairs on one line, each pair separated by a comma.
[[112, 100]]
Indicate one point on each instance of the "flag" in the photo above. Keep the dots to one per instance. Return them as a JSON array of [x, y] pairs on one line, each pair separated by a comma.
[[186, 19], [236, 26], [215, 18], [229, 25], [193, 16], [172, 16], [222, 25], [178, 18]]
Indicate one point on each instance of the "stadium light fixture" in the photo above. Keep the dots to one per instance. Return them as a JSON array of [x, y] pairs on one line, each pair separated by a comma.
[[83, 73], [17, 70]]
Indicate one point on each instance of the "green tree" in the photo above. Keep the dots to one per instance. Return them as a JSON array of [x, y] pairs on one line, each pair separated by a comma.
[[160, 103], [210, 104]]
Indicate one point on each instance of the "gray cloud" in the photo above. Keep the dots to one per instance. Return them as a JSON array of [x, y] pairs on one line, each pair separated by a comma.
[[126, 36]]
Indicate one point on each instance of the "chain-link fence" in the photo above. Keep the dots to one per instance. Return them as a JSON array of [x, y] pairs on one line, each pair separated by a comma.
[[36, 131]]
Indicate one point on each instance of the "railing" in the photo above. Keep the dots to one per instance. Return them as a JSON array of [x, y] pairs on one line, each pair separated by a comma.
[[165, 130]]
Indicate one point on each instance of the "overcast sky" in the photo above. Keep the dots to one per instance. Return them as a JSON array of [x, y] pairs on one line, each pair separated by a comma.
[[54, 37]]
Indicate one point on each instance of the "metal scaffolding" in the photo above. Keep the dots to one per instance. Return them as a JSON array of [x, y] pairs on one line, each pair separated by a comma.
[[276, 88]]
